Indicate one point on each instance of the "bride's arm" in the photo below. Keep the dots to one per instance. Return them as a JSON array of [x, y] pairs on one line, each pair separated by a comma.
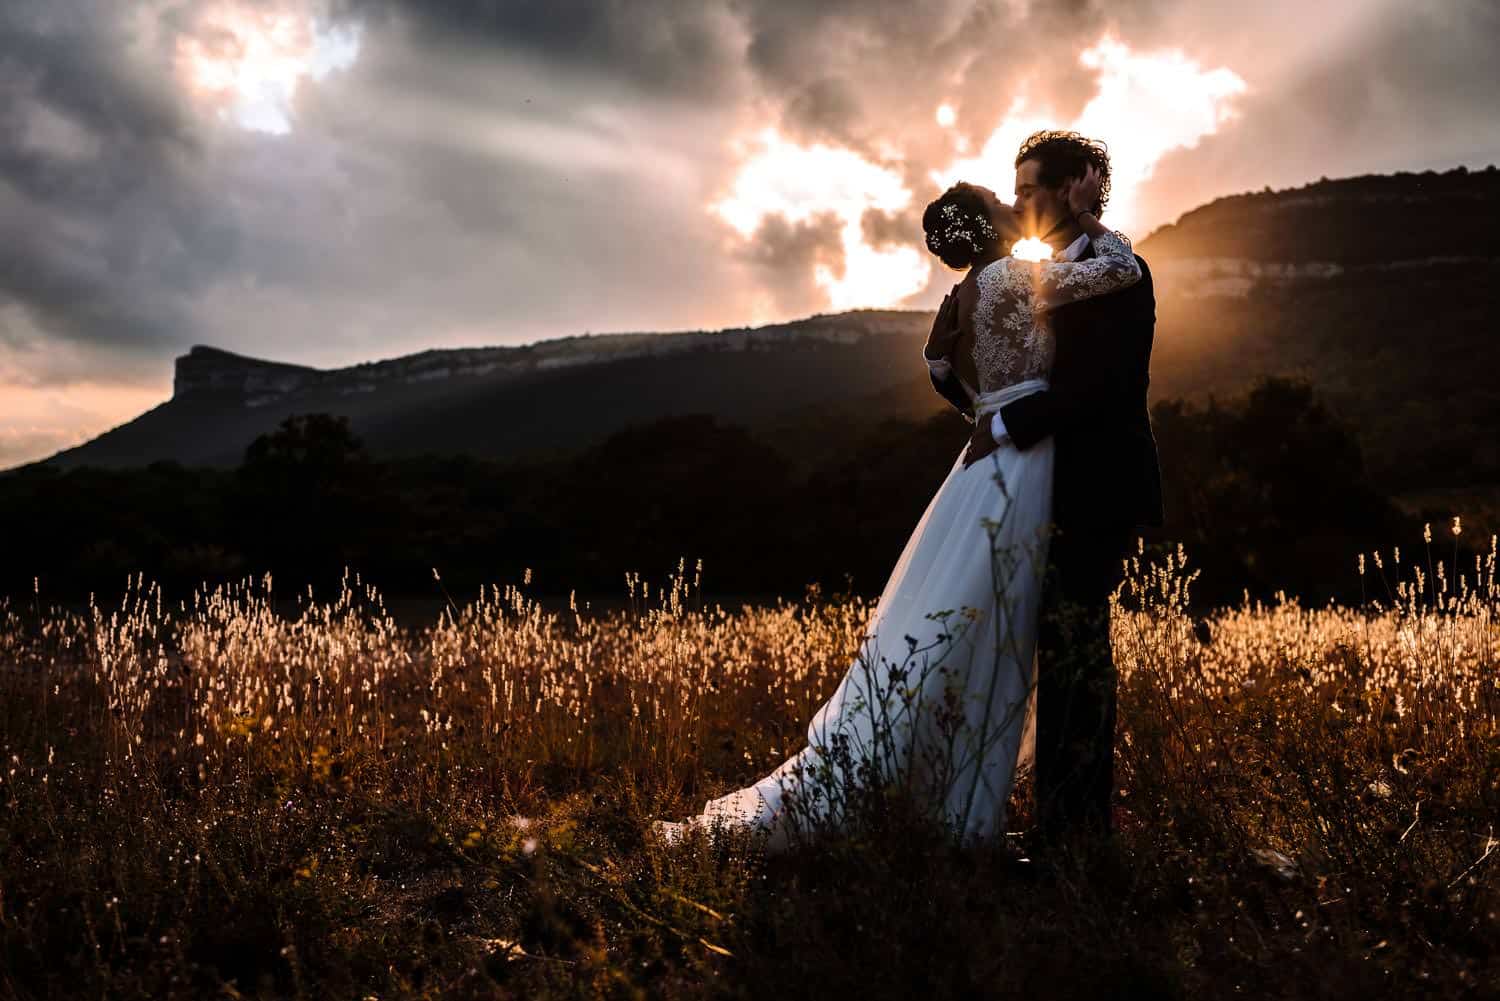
[[942, 336], [938, 351], [1113, 268]]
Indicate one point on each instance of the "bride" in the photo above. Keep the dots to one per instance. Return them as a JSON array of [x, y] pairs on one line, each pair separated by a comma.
[[935, 702]]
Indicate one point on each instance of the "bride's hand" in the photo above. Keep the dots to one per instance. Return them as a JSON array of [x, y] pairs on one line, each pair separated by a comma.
[[945, 329], [1083, 193]]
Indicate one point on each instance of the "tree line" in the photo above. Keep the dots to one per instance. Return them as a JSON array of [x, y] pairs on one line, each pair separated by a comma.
[[1268, 492]]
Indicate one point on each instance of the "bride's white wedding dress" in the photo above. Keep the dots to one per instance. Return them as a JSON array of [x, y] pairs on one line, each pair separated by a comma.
[[938, 702]]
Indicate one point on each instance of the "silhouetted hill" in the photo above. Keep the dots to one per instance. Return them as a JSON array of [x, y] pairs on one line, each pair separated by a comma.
[[1380, 291], [511, 402], [1369, 220]]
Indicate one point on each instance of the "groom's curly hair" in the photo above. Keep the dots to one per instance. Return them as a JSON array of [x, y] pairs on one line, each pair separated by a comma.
[[1065, 155]]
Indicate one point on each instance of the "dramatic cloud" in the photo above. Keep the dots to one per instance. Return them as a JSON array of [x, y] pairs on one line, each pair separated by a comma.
[[785, 183], [327, 181]]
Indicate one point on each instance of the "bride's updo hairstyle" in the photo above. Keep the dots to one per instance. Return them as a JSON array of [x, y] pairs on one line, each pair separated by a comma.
[[958, 226]]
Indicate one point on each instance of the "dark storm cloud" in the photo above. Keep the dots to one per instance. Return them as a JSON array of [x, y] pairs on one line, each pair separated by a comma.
[[825, 109], [784, 255], [496, 197], [846, 68], [70, 56], [673, 46], [899, 229], [105, 222], [834, 70]]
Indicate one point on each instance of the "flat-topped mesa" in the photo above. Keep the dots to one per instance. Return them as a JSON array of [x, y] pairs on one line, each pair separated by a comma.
[[255, 382], [211, 371]]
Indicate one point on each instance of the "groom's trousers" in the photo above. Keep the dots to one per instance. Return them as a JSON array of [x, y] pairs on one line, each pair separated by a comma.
[[1076, 681]]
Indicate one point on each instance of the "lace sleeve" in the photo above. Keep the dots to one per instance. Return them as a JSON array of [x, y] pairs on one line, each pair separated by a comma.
[[1113, 268]]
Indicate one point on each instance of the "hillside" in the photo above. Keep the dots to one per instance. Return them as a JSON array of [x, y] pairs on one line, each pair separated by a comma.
[[511, 402], [1380, 291]]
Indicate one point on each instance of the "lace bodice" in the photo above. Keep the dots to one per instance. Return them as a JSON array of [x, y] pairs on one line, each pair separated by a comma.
[[1012, 339]]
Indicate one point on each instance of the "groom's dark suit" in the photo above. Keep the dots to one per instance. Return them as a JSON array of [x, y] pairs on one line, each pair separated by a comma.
[[1106, 483]]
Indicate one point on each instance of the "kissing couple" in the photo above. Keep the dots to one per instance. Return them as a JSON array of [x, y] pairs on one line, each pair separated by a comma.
[[989, 647]]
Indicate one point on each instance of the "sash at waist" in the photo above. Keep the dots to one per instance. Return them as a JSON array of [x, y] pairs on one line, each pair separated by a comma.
[[992, 400]]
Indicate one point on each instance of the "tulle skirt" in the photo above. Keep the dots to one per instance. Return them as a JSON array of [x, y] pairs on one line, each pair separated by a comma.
[[938, 698]]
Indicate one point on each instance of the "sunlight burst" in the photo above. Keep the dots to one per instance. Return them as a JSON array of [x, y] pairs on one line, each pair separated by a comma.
[[1031, 249], [246, 62]]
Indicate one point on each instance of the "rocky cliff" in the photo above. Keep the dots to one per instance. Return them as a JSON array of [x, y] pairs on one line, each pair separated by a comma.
[[211, 372], [207, 371]]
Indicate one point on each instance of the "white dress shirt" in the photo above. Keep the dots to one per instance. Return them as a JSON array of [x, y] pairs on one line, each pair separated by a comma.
[[1071, 252]]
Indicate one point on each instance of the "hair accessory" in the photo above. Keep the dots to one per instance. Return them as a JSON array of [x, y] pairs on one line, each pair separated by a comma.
[[971, 229]]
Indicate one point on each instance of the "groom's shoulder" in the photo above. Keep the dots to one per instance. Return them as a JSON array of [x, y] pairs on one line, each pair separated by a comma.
[[1142, 295]]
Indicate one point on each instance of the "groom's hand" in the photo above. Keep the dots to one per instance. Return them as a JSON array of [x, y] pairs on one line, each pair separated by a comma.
[[1082, 194], [981, 443]]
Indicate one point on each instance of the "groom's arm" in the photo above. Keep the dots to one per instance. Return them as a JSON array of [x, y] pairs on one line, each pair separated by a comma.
[[1096, 376]]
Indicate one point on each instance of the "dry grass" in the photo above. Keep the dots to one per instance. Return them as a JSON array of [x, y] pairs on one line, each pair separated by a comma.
[[210, 799]]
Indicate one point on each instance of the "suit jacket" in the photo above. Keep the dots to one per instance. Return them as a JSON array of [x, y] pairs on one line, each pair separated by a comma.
[[1107, 474]]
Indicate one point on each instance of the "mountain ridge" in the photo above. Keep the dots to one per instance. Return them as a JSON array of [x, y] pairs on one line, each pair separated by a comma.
[[208, 369], [1318, 282]]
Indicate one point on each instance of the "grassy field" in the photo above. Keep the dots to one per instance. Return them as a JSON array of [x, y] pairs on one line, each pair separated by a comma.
[[213, 800]]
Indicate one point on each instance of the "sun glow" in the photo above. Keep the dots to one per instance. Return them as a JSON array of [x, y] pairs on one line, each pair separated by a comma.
[[245, 61], [1031, 249], [1146, 105]]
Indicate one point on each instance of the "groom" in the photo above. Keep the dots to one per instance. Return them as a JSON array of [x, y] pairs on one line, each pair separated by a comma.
[[1106, 483]]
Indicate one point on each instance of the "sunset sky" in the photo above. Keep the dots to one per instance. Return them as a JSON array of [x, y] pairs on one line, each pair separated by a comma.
[[333, 182]]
